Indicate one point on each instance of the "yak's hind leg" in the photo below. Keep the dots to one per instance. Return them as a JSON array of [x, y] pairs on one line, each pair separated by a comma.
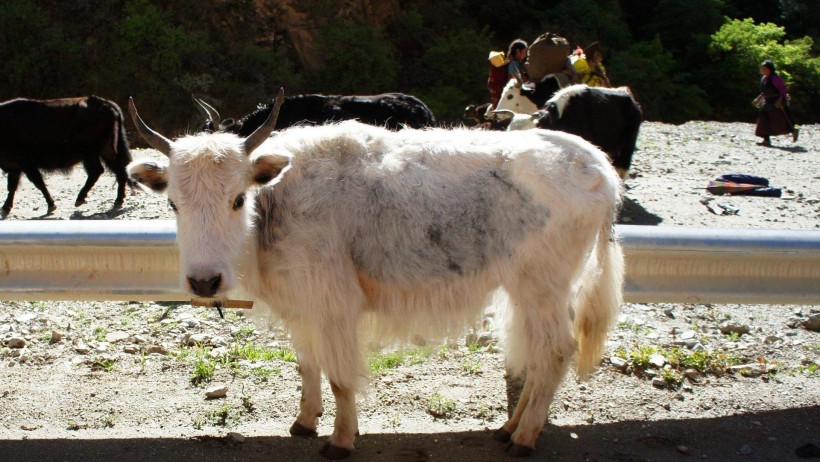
[[94, 168], [36, 179], [540, 345], [13, 181]]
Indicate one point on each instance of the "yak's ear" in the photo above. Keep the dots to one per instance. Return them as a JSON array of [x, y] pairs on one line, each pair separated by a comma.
[[149, 173], [267, 167]]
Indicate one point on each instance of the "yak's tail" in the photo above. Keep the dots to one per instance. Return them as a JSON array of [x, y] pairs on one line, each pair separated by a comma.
[[600, 298]]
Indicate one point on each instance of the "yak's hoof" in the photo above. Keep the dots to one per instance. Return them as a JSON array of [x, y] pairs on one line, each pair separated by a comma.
[[118, 204], [298, 429], [502, 436], [333, 452], [51, 208], [79, 202], [517, 450]]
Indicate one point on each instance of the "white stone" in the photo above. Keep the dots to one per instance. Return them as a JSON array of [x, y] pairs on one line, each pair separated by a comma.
[[216, 392]]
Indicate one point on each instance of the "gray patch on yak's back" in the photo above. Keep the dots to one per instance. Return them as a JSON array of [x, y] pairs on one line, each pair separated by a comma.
[[421, 224]]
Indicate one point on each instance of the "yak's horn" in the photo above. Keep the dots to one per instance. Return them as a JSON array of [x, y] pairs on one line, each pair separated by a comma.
[[157, 141], [207, 111], [519, 81], [263, 132]]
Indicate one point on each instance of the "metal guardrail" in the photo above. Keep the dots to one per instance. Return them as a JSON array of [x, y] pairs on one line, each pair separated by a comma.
[[138, 260]]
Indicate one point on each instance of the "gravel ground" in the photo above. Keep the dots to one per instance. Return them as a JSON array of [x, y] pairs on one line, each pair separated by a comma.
[[97, 381]]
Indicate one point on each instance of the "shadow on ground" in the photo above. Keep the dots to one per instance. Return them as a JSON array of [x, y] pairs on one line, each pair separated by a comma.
[[763, 436], [637, 214]]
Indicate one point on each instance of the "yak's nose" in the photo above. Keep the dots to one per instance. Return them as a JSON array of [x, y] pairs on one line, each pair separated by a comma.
[[206, 287]]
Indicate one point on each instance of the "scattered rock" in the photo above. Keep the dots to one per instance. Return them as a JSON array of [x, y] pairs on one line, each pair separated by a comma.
[[115, 337], [753, 369], [82, 348], [682, 449], [197, 339], [16, 342], [734, 328], [657, 360], [56, 336], [618, 363], [156, 349], [235, 438], [482, 340], [216, 392], [218, 341], [812, 323]]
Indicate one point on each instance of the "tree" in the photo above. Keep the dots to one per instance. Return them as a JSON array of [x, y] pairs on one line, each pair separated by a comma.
[[663, 92], [737, 50], [456, 67], [356, 60]]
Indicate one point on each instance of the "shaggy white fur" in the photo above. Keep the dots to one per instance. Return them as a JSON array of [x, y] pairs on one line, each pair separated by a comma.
[[367, 232]]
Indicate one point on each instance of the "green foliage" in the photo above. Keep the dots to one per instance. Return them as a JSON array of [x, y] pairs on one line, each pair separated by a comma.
[[737, 50], [682, 58], [452, 66], [355, 60], [439, 406], [684, 26], [381, 363], [203, 371], [663, 92], [585, 21]]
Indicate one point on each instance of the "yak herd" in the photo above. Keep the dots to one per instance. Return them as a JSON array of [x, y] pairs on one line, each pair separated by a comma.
[[359, 217], [57, 134]]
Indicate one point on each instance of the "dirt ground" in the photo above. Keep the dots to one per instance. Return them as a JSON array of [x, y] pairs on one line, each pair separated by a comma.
[[93, 381]]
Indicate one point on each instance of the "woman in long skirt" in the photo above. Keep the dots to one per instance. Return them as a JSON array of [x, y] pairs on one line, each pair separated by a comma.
[[774, 118]]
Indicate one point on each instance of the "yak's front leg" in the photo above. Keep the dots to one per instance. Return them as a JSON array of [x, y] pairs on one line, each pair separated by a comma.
[[346, 425], [310, 405], [343, 363]]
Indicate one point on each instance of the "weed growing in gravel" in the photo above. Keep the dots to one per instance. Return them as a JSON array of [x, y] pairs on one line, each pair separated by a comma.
[[380, 363], [471, 364], [812, 370], [707, 362], [252, 352], [110, 420], [264, 373], [247, 404], [484, 412], [245, 332], [106, 365], [439, 406], [99, 333], [74, 426], [733, 337], [672, 377], [221, 416], [203, 371], [127, 321]]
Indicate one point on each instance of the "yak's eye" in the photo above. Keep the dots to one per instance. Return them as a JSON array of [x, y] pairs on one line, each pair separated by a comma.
[[172, 205], [239, 202], [509, 96]]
